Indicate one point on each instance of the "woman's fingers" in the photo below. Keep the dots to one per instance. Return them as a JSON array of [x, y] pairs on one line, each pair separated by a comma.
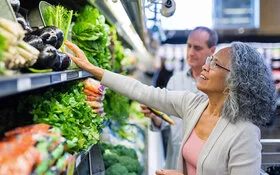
[[160, 172], [145, 111], [74, 48], [71, 46], [80, 58], [73, 58], [143, 107], [168, 172]]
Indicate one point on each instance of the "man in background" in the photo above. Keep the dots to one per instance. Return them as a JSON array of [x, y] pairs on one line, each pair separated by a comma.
[[201, 43]]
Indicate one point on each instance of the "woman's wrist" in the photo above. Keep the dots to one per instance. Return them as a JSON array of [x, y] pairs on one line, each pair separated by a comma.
[[95, 71]]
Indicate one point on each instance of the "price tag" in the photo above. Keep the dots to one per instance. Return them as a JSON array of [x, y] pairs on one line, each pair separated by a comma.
[[23, 84], [80, 74], [72, 75], [63, 77]]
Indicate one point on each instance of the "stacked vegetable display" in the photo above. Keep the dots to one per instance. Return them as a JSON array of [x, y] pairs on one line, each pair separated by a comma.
[[34, 149], [16, 53], [95, 94], [65, 107], [47, 40]]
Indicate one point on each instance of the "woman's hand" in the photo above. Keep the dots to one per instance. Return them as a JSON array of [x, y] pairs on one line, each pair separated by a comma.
[[81, 60], [147, 112], [168, 172]]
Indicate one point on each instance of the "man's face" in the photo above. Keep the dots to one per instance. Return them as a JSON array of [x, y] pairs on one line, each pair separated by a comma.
[[197, 49]]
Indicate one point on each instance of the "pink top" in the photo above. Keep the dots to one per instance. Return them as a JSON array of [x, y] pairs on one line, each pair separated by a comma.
[[191, 151]]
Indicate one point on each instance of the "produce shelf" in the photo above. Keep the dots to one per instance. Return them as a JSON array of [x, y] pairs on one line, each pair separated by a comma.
[[24, 82]]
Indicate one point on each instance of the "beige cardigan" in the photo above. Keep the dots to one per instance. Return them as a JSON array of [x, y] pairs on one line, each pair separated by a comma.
[[230, 149]]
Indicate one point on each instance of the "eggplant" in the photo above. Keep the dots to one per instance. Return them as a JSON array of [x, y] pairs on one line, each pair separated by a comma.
[[34, 41], [47, 58], [21, 20], [50, 35], [57, 64], [60, 37], [63, 63], [15, 5], [66, 62]]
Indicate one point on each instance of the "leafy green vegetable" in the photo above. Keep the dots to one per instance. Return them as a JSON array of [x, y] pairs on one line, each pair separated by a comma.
[[65, 107], [117, 51], [91, 34], [2, 46], [116, 107]]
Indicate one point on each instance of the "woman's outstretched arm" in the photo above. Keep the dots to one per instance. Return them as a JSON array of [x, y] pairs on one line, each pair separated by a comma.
[[81, 60]]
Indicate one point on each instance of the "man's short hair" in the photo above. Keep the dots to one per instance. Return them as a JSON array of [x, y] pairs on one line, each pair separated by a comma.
[[213, 36]]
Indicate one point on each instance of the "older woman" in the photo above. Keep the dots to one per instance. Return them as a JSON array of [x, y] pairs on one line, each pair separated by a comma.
[[221, 130]]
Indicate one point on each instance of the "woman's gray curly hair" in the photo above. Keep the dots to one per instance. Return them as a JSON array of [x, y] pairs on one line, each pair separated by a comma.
[[251, 88]]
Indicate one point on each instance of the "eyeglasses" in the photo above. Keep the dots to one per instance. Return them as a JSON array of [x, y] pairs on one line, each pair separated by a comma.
[[213, 63]]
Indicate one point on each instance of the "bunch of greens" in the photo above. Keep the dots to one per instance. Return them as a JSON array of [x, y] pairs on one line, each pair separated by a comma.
[[91, 34], [117, 51], [116, 106], [64, 107], [60, 17]]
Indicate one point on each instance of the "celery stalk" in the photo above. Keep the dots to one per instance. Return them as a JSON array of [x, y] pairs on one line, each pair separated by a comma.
[[56, 17], [61, 18]]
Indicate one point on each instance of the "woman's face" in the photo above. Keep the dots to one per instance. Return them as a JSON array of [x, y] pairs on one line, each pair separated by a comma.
[[213, 77]]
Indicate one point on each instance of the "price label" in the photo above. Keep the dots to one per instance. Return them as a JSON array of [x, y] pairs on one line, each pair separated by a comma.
[[72, 75], [23, 84], [63, 77], [80, 74]]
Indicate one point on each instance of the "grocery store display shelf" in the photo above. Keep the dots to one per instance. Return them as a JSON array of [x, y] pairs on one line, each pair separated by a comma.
[[15, 84]]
